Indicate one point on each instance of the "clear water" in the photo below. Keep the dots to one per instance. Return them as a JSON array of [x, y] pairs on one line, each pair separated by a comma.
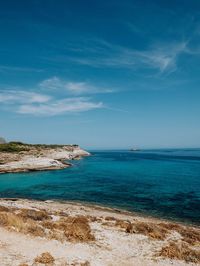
[[164, 183]]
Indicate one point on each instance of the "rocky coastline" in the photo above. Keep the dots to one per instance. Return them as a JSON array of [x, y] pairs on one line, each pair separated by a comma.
[[19, 157]]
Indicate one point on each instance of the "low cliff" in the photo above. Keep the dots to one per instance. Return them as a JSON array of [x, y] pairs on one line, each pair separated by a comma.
[[21, 157]]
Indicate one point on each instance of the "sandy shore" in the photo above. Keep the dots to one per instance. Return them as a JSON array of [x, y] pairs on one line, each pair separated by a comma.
[[77, 234]]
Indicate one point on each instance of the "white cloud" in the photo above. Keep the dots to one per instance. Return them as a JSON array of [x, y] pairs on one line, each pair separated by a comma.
[[71, 87], [80, 87], [69, 105], [19, 96], [53, 83], [59, 97]]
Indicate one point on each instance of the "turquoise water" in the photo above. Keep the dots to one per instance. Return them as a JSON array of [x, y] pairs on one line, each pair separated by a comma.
[[164, 183]]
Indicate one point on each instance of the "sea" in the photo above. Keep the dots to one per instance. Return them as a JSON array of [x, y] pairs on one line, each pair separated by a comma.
[[161, 183]]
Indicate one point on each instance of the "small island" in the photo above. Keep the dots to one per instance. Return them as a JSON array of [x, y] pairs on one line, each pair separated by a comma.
[[135, 149], [22, 157]]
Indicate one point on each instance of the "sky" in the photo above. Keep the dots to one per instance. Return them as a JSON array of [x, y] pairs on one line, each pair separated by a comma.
[[101, 74]]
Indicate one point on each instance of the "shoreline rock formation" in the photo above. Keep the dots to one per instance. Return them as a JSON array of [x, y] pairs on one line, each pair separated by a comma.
[[21, 157]]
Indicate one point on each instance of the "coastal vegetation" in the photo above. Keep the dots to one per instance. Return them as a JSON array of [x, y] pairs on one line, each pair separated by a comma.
[[13, 147], [91, 227], [45, 258], [39, 223], [16, 146], [180, 251]]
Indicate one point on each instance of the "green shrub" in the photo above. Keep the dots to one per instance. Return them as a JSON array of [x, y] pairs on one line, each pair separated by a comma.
[[17, 146], [13, 147]]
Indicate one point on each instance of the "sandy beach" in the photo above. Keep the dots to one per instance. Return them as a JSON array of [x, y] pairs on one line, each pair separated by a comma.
[[66, 233]]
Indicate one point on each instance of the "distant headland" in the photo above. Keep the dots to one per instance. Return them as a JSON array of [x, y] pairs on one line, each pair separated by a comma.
[[22, 157]]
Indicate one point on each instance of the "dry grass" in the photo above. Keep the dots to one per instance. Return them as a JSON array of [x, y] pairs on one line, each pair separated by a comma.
[[189, 235], [35, 230], [61, 224], [110, 218], [33, 214], [14, 222], [125, 225], [45, 258], [70, 228], [154, 231], [57, 235], [60, 213], [11, 220], [49, 225], [78, 229], [4, 209], [39, 223], [110, 224], [170, 226], [25, 221], [93, 218], [86, 263], [3, 219], [180, 251], [160, 230], [76, 263]]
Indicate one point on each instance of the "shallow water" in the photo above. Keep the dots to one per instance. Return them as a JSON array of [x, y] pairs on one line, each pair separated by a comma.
[[164, 183]]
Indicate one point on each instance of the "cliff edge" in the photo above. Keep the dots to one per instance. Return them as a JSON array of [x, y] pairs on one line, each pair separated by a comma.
[[21, 157]]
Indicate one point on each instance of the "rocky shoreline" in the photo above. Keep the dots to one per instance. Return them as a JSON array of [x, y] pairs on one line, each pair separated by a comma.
[[19, 157]]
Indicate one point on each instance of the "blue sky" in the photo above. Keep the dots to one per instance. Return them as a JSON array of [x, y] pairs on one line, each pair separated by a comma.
[[103, 74]]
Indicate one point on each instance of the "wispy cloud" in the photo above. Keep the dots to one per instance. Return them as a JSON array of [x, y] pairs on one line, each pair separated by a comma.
[[35, 103], [72, 87], [162, 57], [19, 96], [58, 107]]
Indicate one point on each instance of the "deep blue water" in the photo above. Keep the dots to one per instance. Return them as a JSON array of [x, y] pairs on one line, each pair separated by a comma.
[[164, 183]]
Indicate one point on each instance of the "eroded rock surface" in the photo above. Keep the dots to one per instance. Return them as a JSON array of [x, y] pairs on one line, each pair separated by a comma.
[[20, 157]]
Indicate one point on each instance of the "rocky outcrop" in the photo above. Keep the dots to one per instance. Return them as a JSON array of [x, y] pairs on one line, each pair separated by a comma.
[[65, 154], [19, 157], [33, 164]]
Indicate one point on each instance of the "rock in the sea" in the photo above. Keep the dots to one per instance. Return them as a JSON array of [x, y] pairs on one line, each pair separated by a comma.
[[2, 140]]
